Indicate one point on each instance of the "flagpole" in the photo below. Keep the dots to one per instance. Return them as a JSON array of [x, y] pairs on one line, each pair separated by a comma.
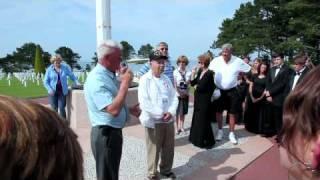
[[103, 20]]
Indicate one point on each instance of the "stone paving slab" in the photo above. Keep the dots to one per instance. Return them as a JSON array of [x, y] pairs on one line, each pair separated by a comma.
[[190, 162], [221, 162]]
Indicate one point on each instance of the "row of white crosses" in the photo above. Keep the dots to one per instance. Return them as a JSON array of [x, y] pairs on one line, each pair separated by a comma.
[[81, 75], [24, 77], [2, 75]]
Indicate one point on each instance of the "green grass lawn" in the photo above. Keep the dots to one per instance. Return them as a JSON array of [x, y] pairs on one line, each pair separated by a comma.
[[17, 89], [33, 90]]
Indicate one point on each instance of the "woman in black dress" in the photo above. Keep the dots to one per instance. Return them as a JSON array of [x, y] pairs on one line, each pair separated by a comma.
[[249, 108], [201, 134], [259, 117]]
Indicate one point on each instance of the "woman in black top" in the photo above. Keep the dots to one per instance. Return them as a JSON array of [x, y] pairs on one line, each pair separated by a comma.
[[201, 134]]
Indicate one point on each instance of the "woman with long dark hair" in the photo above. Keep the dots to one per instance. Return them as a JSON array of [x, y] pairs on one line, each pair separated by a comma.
[[256, 120], [300, 133]]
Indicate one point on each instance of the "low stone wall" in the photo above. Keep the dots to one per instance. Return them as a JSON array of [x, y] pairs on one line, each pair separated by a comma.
[[77, 112]]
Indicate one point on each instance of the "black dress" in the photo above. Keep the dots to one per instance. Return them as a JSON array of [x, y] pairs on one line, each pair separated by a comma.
[[258, 121], [201, 134]]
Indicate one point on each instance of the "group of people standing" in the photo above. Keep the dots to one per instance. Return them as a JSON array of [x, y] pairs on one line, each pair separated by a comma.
[[268, 89], [219, 74], [163, 96]]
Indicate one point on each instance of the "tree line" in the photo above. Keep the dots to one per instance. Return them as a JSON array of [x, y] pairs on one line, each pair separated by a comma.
[[33, 56], [267, 26]]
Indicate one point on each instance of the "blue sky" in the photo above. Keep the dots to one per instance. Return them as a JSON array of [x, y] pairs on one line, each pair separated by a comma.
[[189, 26]]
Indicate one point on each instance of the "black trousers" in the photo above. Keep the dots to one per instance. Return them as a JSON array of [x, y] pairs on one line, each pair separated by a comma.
[[277, 116], [106, 145]]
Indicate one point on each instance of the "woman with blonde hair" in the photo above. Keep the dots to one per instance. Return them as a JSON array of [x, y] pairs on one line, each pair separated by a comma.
[[182, 81], [36, 144], [56, 83]]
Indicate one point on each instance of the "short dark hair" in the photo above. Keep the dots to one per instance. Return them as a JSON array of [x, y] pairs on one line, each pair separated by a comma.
[[299, 59], [275, 55]]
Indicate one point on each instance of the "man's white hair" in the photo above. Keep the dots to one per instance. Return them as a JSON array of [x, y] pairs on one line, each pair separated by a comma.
[[107, 47], [227, 46]]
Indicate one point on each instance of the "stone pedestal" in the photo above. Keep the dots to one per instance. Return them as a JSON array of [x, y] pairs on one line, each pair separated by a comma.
[[77, 112]]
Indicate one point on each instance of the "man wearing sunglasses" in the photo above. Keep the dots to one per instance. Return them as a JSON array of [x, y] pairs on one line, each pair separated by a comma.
[[168, 68]]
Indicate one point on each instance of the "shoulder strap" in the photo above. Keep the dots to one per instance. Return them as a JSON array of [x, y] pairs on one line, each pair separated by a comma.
[[183, 76]]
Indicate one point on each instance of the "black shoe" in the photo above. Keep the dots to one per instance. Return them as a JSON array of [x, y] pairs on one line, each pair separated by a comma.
[[153, 177], [169, 175]]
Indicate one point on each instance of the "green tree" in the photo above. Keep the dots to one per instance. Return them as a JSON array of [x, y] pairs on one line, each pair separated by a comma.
[[94, 59], [38, 64], [7, 64], [304, 25], [266, 26], [88, 67], [210, 54], [145, 50], [23, 57], [69, 56], [127, 50]]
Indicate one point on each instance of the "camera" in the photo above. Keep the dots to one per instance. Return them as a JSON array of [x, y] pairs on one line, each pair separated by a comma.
[[183, 85], [123, 64]]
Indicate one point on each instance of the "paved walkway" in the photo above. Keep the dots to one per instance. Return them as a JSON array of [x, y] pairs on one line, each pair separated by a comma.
[[225, 161]]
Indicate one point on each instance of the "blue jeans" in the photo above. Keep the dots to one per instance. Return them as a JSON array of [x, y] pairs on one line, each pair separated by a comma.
[[58, 101]]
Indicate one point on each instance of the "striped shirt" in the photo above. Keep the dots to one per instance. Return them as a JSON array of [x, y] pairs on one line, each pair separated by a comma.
[[168, 70]]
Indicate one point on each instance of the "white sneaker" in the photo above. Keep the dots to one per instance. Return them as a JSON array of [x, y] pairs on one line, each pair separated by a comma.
[[232, 138], [219, 135]]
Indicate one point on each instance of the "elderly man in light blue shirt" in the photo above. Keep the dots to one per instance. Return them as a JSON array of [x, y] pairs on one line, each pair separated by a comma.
[[101, 88], [105, 97]]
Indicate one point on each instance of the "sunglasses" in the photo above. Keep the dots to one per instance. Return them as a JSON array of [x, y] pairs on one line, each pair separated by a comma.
[[182, 62], [162, 49]]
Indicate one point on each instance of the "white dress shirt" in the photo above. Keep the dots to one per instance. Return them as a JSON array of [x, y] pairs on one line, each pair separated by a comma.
[[226, 74], [277, 70], [296, 78], [156, 97]]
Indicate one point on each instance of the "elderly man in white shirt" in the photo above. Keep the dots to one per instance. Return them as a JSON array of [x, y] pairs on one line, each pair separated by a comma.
[[227, 68], [158, 103]]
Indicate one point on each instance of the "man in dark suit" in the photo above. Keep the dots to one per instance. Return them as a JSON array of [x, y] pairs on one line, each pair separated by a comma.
[[276, 89], [300, 69]]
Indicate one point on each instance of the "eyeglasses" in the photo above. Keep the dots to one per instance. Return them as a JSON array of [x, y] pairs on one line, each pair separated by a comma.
[[162, 49], [160, 62]]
